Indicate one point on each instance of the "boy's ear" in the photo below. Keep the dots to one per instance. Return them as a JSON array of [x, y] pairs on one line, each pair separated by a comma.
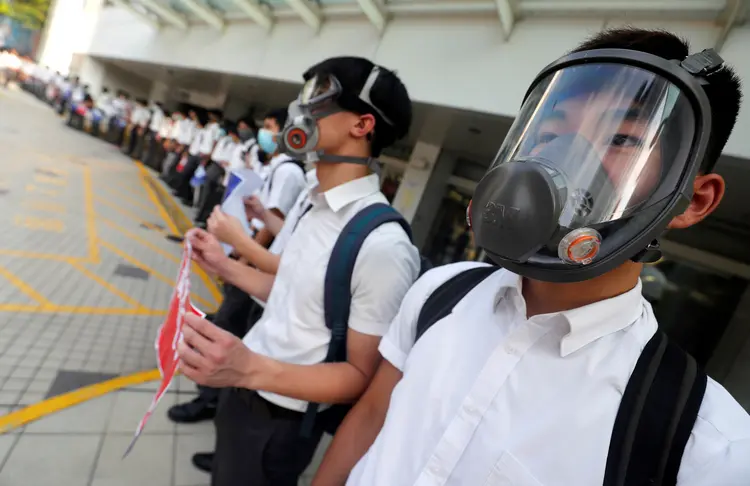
[[708, 190]]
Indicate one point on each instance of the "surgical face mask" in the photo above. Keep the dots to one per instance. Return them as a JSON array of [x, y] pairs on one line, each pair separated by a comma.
[[245, 134], [222, 132], [600, 158], [266, 141]]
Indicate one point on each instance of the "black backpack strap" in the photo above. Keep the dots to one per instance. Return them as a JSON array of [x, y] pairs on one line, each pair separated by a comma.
[[443, 299], [337, 297], [656, 416]]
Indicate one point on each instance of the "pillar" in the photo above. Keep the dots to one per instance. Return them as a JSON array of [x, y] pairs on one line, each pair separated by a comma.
[[425, 173]]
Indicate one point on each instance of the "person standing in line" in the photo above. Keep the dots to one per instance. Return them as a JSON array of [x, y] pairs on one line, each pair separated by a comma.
[[352, 110], [551, 370]]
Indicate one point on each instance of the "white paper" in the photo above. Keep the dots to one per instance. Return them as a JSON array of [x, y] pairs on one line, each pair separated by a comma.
[[242, 183]]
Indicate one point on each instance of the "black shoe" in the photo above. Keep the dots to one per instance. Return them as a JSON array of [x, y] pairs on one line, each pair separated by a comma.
[[203, 461], [196, 410]]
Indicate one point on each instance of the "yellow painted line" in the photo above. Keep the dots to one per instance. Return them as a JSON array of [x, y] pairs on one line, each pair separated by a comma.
[[47, 180], [25, 288], [135, 262], [82, 310], [207, 281], [155, 200], [42, 256], [41, 409], [88, 194], [138, 239], [133, 217], [120, 194], [46, 192], [47, 206], [111, 288], [39, 224]]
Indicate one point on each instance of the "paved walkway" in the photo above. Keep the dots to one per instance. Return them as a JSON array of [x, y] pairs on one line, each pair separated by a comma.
[[85, 277]]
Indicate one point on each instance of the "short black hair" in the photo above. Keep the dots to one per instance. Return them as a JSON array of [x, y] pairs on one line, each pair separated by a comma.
[[724, 91], [388, 94], [278, 114]]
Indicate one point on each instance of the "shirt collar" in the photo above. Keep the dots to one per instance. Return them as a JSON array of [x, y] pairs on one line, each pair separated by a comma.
[[587, 323], [347, 193]]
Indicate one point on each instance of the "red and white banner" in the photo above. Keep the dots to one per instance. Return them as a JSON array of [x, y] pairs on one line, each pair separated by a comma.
[[170, 334]]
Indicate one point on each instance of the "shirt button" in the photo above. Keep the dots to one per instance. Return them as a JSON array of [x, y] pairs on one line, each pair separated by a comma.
[[512, 350], [436, 470]]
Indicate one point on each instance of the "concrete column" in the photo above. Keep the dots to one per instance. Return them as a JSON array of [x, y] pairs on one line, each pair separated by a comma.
[[160, 92], [422, 164]]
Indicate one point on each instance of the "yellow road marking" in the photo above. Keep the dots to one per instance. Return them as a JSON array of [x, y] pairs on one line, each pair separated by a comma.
[[134, 217], [138, 239], [47, 180], [36, 223], [111, 288], [133, 261], [24, 288], [36, 411], [88, 192], [42, 256], [47, 206], [46, 192], [207, 281], [134, 202], [87, 310]]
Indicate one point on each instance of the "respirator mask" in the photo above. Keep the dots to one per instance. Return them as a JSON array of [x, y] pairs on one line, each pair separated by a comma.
[[601, 157], [322, 96]]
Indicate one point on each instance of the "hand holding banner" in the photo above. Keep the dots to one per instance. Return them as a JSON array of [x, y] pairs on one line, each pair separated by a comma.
[[170, 334]]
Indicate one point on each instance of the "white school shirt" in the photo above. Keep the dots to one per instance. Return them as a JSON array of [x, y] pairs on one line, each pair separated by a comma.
[[186, 131], [157, 118], [223, 150], [489, 397], [211, 137], [166, 128], [292, 328], [282, 183], [301, 206], [195, 145]]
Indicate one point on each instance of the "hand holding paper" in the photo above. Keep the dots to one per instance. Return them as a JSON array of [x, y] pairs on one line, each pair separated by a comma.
[[207, 251], [241, 184], [225, 228], [214, 357]]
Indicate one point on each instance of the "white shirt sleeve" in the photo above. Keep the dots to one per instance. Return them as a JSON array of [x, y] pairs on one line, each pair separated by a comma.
[[398, 341], [209, 139], [288, 182], [386, 267]]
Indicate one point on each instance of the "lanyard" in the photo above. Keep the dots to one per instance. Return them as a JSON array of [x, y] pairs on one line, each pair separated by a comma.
[[304, 212]]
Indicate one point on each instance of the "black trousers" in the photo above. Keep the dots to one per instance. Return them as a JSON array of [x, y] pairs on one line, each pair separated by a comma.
[[259, 443], [211, 193], [237, 314], [183, 187]]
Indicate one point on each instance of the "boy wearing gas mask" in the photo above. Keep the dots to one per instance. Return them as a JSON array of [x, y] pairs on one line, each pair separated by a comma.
[[551, 371], [348, 110]]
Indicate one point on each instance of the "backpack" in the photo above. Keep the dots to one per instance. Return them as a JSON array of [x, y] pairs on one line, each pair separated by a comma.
[[337, 297], [657, 411]]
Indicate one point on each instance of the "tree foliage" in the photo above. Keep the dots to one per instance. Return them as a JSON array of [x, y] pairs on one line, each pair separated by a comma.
[[30, 13]]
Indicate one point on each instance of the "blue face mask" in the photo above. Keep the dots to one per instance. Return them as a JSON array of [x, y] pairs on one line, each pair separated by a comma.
[[222, 132], [266, 141]]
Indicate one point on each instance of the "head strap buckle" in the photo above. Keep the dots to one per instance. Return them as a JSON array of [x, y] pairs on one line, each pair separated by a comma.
[[703, 63]]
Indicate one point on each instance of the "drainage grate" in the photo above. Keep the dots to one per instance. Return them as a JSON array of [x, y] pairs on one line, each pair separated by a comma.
[[4, 192], [131, 272], [151, 226], [47, 173], [67, 381]]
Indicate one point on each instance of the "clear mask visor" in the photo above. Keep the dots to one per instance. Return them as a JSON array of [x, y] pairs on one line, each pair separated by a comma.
[[614, 138]]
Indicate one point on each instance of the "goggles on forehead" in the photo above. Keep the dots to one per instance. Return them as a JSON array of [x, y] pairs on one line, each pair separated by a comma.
[[319, 90]]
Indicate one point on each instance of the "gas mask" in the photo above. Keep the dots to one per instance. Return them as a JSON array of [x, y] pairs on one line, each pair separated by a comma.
[[321, 97], [601, 157]]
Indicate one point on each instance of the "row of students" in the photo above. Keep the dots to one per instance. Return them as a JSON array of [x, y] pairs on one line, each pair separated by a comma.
[[550, 370]]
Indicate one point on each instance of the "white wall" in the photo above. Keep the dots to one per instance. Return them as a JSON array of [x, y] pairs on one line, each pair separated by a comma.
[[70, 30], [459, 62]]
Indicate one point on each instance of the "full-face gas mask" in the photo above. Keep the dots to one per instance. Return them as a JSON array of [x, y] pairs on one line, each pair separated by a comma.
[[601, 157], [322, 96]]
